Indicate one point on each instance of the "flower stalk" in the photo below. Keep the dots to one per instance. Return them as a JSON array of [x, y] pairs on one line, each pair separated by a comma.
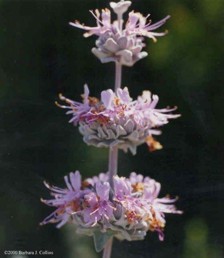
[[118, 76], [113, 151], [113, 164], [108, 248]]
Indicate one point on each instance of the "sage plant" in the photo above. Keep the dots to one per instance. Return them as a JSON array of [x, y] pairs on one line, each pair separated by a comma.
[[110, 206]]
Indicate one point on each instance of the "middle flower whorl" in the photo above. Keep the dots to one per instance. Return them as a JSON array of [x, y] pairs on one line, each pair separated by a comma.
[[116, 119]]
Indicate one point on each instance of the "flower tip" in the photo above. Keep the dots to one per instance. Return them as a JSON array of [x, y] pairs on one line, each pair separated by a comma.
[[177, 115], [61, 97], [74, 23], [161, 238], [46, 184], [57, 104], [42, 200], [86, 34], [154, 39], [120, 7], [168, 17]]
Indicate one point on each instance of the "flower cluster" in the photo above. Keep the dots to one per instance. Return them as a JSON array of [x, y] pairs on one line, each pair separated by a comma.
[[116, 119], [127, 211], [118, 44]]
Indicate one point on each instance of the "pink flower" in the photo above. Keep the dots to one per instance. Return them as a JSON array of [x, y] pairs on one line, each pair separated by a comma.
[[122, 188], [99, 207], [66, 200], [149, 190], [118, 43], [79, 110], [117, 119], [137, 24], [102, 177], [128, 211]]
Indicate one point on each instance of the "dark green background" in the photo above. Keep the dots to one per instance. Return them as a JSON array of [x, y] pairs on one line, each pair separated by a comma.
[[41, 55]]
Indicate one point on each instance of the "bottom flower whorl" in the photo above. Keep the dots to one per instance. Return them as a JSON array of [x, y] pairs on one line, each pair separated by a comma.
[[126, 212]]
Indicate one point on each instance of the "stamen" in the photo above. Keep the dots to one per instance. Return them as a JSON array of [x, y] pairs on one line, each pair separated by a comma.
[[61, 97], [94, 211], [59, 105], [96, 16]]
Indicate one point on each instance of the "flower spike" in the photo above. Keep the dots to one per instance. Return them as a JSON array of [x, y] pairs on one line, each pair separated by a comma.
[[107, 205]]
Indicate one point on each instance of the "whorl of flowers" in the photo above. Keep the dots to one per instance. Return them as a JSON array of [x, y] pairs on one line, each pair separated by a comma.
[[117, 120], [118, 43], [127, 212]]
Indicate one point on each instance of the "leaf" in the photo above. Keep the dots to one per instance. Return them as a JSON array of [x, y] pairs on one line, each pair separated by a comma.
[[100, 239]]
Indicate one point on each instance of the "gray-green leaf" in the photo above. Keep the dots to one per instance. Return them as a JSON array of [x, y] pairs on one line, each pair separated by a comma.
[[100, 239]]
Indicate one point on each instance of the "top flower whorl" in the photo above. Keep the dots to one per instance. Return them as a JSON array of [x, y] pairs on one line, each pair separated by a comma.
[[118, 43]]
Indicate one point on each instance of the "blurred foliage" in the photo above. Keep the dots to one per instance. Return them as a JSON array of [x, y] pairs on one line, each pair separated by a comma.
[[197, 241], [42, 56]]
